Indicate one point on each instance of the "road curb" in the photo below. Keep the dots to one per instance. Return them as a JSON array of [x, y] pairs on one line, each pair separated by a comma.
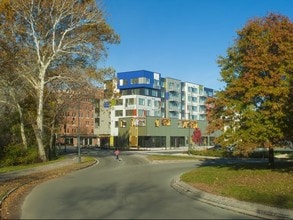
[[252, 209], [16, 188]]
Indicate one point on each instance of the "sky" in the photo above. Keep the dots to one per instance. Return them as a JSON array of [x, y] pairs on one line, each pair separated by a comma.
[[181, 39]]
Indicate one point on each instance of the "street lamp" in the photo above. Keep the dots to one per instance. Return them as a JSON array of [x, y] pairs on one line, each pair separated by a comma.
[[78, 132], [189, 125], [65, 130]]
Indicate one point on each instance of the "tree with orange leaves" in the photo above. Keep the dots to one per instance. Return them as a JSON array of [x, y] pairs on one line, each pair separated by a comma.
[[255, 109]]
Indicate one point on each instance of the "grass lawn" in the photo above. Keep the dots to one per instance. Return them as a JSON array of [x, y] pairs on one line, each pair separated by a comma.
[[27, 166], [246, 182], [252, 182], [8, 185], [169, 157]]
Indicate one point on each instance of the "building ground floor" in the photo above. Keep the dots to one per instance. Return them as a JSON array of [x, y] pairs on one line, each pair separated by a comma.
[[154, 132], [147, 132], [73, 140]]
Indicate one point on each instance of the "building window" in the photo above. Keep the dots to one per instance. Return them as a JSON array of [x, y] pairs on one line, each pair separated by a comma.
[[194, 90], [141, 101], [146, 92], [119, 102], [130, 112], [130, 101], [149, 102], [155, 93], [97, 122], [122, 82], [144, 80], [134, 81], [194, 99], [140, 80], [118, 113], [156, 84]]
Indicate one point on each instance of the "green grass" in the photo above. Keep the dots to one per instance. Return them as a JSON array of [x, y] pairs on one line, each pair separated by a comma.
[[211, 153], [27, 166], [23, 167], [169, 157], [253, 183], [224, 153]]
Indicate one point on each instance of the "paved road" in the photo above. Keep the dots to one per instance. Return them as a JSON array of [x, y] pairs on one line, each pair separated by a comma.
[[131, 189]]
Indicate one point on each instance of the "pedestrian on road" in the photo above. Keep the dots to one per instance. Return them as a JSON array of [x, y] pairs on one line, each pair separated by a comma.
[[117, 152]]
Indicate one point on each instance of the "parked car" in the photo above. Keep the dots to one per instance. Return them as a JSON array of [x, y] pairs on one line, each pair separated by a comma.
[[216, 147], [231, 147]]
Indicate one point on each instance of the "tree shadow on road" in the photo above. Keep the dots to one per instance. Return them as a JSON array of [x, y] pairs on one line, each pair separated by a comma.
[[281, 165]]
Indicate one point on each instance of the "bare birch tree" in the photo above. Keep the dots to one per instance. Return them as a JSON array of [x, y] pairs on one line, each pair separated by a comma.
[[54, 34]]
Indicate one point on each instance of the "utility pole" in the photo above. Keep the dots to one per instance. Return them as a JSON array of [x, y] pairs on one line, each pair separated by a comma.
[[78, 132], [189, 125], [65, 130]]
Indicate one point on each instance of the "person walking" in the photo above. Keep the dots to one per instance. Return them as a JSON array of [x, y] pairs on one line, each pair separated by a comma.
[[117, 152]]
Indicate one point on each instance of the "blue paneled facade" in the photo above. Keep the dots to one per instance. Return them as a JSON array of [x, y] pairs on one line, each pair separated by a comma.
[[139, 79]]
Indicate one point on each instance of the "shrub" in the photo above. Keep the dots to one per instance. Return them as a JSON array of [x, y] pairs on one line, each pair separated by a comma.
[[16, 155]]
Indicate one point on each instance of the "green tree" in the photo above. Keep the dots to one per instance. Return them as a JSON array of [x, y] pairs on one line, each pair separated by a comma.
[[56, 39], [255, 107]]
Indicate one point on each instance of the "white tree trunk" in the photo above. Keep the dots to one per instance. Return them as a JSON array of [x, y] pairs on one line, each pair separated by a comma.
[[40, 111], [52, 139], [22, 132]]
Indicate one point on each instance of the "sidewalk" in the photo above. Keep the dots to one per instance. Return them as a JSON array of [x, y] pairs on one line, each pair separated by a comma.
[[12, 175]]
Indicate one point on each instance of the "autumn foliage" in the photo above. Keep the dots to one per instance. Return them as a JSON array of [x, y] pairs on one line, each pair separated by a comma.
[[46, 47], [196, 137], [255, 108]]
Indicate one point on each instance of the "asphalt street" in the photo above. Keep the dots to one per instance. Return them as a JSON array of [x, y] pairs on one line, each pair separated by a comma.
[[132, 188]]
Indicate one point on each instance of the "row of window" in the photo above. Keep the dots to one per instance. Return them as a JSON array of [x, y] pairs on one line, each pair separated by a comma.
[[80, 114], [81, 123], [142, 112], [157, 93], [151, 103], [75, 130], [142, 91], [139, 81], [132, 112], [141, 101], [172, 86]]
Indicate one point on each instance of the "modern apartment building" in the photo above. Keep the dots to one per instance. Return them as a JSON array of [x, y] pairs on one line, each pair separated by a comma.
[[147, 93]]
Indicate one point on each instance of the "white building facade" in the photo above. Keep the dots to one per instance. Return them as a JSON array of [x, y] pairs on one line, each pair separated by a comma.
[[146, 93]]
